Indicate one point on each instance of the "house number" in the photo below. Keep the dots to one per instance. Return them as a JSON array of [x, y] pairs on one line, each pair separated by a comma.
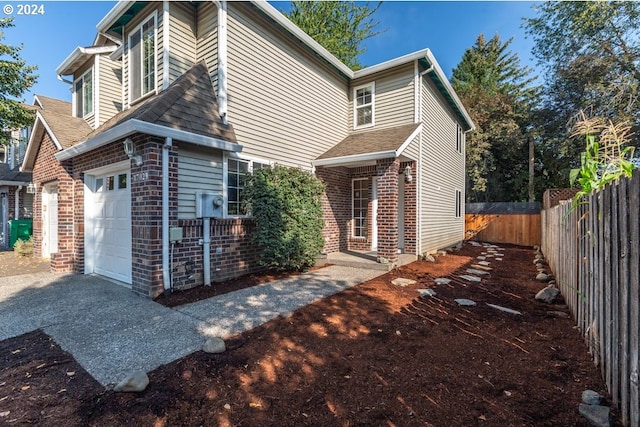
[[140, 177]]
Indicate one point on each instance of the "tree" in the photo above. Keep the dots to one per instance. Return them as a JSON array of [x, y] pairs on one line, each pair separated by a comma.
[[591, 54], [339, 26], [15, 79], [285, 205], [500, 96]]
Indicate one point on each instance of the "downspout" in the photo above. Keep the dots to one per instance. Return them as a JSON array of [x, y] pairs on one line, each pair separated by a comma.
[[206, 250], [166, 277], [165, 44], [17, 206], [222, 59]]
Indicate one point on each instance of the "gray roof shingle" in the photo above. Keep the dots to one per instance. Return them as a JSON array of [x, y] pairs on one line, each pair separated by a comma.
[[374, 141]]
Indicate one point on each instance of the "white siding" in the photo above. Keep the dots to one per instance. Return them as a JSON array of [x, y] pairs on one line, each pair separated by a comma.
[[182, 39], [198, 171], [207, 39], [443, 172], [284, 104], [110, 88], [394, 97]]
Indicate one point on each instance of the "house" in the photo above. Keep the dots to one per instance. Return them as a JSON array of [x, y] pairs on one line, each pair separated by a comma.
[[16, 197], [140, 179]]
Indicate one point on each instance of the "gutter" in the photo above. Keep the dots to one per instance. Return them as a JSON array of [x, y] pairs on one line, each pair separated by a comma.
[[138, 126]]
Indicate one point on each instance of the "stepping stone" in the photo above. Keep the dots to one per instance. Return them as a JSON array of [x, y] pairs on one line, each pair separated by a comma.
[[474, 243], [490, 255], [481, 257], [481, 267], [499, 254], [474, 271], [427, 292], [442, 281], [483, 253], [484, 263], [470, 278], [498, 259], [505, 309], [402, 282], [465, 302]]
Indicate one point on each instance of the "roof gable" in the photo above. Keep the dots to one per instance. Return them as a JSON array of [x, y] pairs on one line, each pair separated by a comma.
[[53, 117], [188, 104]]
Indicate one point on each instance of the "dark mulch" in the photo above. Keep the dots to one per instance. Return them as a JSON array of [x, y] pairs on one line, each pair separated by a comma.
[[373, 355]]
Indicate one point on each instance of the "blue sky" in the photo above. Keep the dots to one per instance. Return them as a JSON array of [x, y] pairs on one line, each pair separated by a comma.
[[448, 28]]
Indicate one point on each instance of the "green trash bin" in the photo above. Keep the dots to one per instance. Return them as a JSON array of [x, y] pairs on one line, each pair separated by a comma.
[[19, 229]]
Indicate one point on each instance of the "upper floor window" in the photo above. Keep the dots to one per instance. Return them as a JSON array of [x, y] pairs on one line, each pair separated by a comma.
[[363, 105], [236, 178], [84, 94], [459, 139], [142, 59]]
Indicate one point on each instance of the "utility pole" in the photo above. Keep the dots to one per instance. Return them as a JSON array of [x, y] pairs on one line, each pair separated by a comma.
[[531, 172]]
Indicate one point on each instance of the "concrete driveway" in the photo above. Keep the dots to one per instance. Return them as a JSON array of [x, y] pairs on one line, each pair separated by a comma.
[[111, 331]]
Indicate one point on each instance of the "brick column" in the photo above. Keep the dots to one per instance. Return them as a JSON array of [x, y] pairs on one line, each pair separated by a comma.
[[387, 171]]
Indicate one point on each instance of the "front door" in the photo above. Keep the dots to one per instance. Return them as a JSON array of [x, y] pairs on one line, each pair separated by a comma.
[[49, 220]]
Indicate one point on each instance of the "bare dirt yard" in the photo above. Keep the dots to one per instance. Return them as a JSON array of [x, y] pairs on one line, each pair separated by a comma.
[[12, 265], [374, 355]]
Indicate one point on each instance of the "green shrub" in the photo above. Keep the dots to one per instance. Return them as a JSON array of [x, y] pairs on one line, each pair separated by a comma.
[[23, 247], [285, 204]]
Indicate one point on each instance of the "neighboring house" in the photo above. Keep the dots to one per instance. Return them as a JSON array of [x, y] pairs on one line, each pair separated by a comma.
[[175, 102], [16, 195]]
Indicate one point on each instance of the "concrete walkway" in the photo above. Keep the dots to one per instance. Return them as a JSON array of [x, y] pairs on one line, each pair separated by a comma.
[[111, 331]]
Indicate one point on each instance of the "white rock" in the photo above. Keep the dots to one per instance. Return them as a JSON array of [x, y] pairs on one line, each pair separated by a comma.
[[402, 282], [136, 381], [598, 416], [478, 272], [591, 397], [427, 292], [214, 345], [442, 281], [542, 277], [465, 302], [470, 278], [505, 309]]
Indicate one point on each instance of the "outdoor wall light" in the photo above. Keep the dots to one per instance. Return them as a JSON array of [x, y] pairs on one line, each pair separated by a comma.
[[130, 151], [407, 174], [31, 188]]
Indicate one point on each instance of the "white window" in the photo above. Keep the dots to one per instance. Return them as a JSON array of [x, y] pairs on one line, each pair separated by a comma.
[[83, 88], [458, 203], [236, 177], [363, 105], [142, 59], [360, 198], [110, 183], [459, 139]]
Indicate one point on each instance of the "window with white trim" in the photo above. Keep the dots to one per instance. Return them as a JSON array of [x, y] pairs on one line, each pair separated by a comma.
[[363, 105], [236, 180], [459, 139], [142, 59], [83, 88], [360, 196], [458, 203]]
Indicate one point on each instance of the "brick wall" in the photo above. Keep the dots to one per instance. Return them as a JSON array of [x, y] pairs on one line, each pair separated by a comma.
[[410, 210], [336, 207], [231, 255], [387, 170]]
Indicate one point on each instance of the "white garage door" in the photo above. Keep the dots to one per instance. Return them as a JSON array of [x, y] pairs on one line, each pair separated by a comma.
[[108, 226]]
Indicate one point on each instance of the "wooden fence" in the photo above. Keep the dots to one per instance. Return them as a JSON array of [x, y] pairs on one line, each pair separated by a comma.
[[514, 223], [594, 252]]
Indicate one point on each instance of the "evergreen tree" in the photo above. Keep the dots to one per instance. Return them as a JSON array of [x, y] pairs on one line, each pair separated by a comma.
[[500, 96], [338, 26]]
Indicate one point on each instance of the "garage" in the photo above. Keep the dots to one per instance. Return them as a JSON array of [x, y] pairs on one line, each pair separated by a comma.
[[108, 223]]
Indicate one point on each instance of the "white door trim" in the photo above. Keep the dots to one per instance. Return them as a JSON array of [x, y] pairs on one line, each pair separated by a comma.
[[401, 235]]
